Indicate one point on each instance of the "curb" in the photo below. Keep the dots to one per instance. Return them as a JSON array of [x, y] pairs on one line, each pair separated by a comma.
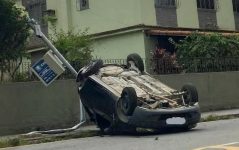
[[91, 131], [221, 113]]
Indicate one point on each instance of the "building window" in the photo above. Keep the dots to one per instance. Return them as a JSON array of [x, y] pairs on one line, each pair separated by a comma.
[[165, 3], [235, 5], [36, 9], [84, 4], [206, 4]]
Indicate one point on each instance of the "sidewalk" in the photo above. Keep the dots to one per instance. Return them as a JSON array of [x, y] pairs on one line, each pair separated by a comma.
[[204, 115], [221, 113], [92, 130]]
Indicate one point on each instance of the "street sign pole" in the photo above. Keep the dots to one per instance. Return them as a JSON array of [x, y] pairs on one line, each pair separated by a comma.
[[39, 33], [58, 54], [37, 29]]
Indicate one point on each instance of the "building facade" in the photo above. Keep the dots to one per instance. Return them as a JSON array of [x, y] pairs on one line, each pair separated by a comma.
[[36, 9], [105, 15], [127, 26]]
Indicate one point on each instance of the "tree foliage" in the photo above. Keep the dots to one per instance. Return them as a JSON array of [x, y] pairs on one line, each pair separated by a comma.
[[14, 32], [213, 45], [75, 46]]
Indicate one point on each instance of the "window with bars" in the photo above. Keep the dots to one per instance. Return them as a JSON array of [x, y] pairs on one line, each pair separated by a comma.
[[35, 8], [206, 4], [165, 3], [235, 5], [84, 4]]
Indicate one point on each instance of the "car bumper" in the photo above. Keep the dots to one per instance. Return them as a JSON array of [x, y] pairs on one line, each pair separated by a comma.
[[165, 118]]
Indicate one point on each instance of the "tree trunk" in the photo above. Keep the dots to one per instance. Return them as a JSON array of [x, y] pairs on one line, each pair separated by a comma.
[[1, 75], [17, 67], [1, 70]]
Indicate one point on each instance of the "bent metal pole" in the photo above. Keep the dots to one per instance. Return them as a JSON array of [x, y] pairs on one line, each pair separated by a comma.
[[37, 29]]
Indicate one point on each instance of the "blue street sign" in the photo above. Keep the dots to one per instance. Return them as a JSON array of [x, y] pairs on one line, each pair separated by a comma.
[[44, 72]]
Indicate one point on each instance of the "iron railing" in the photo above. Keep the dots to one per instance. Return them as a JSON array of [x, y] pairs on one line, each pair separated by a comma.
[[195, 65], [153, 66]]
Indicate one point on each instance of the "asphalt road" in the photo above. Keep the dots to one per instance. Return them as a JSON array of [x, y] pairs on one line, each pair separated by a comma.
[[206, 134]]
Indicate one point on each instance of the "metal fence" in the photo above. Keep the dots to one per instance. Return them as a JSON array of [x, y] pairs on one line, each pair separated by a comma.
[[198, 65], [154, 66], [195, 65]]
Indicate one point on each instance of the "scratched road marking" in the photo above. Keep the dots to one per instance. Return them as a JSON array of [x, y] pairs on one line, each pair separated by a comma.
[[228, 146]]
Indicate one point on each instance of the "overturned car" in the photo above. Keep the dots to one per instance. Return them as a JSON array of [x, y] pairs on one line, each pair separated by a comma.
[[125, 97]]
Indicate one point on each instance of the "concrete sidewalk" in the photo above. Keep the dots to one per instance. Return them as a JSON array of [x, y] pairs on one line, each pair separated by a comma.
[[221, 113], [93, 128], [204, 115]]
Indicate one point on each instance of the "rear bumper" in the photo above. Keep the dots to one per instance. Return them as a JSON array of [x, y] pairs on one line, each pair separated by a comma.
[[157, 119]]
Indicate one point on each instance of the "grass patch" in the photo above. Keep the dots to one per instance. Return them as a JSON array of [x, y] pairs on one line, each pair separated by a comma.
[[59, 137], [10, 142], [45, 138], [41, 138], [215, 117]]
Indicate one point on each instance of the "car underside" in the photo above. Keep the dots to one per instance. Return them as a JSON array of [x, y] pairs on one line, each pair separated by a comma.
[[151, 93], [125, 95]]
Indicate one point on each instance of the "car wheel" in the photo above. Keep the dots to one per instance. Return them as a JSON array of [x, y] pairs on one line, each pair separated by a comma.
[[134, 60], [191, 95], [90, 69], [128, 100]]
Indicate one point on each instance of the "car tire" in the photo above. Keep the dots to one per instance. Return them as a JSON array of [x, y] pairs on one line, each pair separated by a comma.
[[128, 100], [137, 60], [88, 70], [191, 95]]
